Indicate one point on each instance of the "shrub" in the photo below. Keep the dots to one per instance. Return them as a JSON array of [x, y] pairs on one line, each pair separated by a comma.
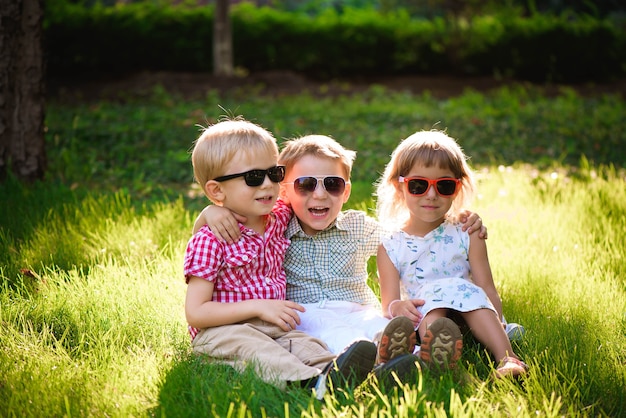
[[148, 36]]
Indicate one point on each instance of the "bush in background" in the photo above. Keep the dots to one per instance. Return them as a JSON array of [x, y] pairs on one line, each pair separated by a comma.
[[136, 37]]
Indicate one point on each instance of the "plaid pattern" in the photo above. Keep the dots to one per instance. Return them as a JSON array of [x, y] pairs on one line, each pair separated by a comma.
[[251, 268], [332, 265]]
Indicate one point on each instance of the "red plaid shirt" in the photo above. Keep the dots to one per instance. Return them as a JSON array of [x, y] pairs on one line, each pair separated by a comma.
[[251, 268]]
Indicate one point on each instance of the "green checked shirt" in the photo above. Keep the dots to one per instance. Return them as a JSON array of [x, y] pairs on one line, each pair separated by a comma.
[[332, 265]]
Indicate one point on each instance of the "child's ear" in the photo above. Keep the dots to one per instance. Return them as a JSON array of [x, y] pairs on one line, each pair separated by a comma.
[[398, 187], [346, 193], [283, 194], [214, 192]]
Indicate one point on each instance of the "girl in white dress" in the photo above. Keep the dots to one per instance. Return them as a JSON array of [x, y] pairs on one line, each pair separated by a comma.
[[428, 267]]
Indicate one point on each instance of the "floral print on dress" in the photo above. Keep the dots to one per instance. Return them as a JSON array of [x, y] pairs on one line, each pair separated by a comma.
[[436, 268]]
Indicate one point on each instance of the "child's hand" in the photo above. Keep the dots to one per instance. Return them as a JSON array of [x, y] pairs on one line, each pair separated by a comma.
[[222, 222], [472, 223], [408, 308], [282, 313]]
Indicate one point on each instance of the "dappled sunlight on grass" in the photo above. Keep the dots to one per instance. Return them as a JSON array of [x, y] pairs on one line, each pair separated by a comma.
[[92, 293]]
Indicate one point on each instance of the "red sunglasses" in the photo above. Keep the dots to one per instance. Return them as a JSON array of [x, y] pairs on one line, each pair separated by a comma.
[[418, 186]]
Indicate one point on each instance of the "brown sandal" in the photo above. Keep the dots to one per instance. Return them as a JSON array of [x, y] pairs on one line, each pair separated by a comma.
[[511, 366]]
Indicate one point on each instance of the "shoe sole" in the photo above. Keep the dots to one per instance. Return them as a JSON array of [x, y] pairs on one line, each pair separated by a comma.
[[398, 339], [442, 344]]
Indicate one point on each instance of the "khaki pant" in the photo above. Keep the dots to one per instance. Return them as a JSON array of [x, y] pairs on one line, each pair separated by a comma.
[[277, 356]]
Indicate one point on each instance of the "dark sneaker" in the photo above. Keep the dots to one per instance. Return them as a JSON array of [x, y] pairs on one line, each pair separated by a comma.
[[404, 368], [349, 369], [442, 344], [398, 339]]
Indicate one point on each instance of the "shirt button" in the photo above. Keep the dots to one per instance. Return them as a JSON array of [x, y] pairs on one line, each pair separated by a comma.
[[244, 258], [267, 280]]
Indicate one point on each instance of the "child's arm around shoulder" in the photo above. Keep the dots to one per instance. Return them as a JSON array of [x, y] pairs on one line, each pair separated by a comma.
[[472, 223], [481, 270], [224, 223], [221, 221], [202, 312]]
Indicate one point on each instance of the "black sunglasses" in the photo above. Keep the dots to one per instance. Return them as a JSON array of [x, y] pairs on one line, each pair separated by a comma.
[[418, 186], [334, 185], [255, 178]]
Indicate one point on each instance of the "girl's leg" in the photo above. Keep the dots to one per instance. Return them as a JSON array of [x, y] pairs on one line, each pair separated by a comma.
[[487, 328]]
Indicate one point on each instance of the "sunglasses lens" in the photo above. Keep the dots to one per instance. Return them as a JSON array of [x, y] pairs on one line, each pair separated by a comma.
[[304, 185], [334, 185], [417, 186], [276, 174], [254, 178], [446, 187]]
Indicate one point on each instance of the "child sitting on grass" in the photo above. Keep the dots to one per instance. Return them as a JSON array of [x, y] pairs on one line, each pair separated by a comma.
[[430, 257], [235, 303]]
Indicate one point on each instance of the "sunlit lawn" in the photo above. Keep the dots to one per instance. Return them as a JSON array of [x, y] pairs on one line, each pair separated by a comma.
[[92, 292]]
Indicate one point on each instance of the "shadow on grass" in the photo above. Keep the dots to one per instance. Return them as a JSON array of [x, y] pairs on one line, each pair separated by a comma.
[[195, 387]]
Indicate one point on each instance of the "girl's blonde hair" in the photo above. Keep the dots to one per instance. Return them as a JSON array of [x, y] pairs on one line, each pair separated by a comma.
[[429, 148], [226, 140], [320, 146]]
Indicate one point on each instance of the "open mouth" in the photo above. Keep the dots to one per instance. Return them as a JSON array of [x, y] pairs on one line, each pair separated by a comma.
[[318, 211]]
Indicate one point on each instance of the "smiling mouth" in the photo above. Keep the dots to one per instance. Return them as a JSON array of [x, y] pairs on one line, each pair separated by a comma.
[[318, 211]]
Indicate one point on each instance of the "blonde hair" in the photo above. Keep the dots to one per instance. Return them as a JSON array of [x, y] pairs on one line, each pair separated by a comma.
[[429, 148], [317, 145], [220, 143]]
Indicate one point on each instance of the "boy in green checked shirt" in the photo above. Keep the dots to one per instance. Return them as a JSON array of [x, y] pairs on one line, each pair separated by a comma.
[[326, 262]]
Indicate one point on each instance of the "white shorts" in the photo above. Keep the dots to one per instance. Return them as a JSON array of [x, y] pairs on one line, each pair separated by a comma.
[[340, 323]]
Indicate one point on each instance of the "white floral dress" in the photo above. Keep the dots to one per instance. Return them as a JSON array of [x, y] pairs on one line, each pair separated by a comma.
[[436, 268]]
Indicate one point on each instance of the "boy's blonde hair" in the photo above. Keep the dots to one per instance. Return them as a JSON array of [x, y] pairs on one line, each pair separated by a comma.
[[317, 145], [430, 148], [220, 143]]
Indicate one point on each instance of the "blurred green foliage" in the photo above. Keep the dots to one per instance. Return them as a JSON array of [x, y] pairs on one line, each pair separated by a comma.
[[335, 42], [143, 144]]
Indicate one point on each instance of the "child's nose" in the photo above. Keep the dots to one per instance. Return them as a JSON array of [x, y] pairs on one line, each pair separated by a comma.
[[319, 191], [431, 192], [267, 182]]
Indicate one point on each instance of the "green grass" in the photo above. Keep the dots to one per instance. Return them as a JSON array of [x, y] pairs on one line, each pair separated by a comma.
[[91, 296]]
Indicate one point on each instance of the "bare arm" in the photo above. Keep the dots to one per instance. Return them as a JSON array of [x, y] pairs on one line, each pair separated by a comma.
[[221, 221], [481, 271], [202, 312], [389, 280]]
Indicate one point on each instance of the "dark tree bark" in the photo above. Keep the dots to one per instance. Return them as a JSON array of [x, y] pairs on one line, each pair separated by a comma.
[[222, 40], [22, 90]]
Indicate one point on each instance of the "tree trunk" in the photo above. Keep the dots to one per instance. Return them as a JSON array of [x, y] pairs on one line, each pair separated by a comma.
[[222, 40], [22, 90]]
